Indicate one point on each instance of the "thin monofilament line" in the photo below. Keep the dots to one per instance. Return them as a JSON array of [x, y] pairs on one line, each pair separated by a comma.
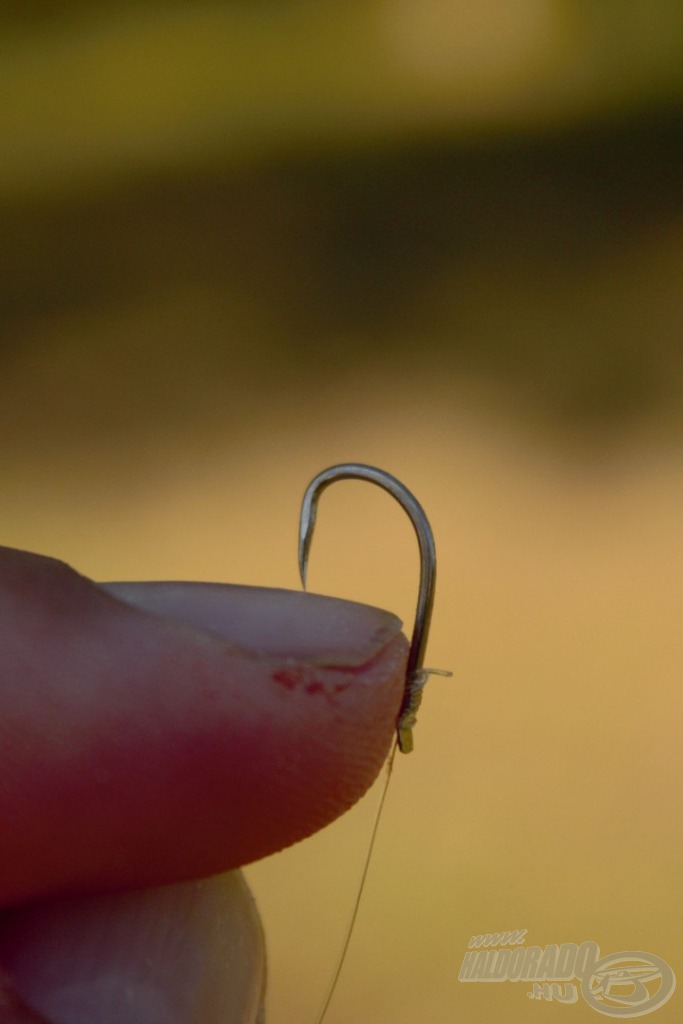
[[364, 874]]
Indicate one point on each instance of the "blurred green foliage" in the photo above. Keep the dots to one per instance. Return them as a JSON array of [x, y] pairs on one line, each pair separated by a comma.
[[492, 191]]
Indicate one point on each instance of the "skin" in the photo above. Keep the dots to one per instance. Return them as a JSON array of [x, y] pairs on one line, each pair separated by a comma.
[[155, 733]]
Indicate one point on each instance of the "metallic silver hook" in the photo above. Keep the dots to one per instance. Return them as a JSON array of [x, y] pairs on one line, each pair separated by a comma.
[[416, 675]]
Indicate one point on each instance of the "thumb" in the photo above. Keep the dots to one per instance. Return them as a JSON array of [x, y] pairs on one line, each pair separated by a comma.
[[151, 733]]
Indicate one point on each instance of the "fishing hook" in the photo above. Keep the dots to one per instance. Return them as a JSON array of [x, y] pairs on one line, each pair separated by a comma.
[[416, 675]]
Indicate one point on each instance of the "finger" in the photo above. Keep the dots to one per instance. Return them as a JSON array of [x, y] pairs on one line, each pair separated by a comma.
[[13, 1009], [182, 731], [185, 954]]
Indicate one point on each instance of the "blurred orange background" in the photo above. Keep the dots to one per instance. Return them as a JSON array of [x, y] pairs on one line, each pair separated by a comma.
[[242, 242]]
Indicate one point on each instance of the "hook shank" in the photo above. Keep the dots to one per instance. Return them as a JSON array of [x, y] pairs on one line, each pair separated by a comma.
[[415, 674]]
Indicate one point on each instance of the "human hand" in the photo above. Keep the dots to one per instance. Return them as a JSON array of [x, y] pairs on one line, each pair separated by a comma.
[[155, 733]]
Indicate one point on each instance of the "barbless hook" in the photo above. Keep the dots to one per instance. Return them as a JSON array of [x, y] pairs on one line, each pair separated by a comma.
[[416, 675]]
